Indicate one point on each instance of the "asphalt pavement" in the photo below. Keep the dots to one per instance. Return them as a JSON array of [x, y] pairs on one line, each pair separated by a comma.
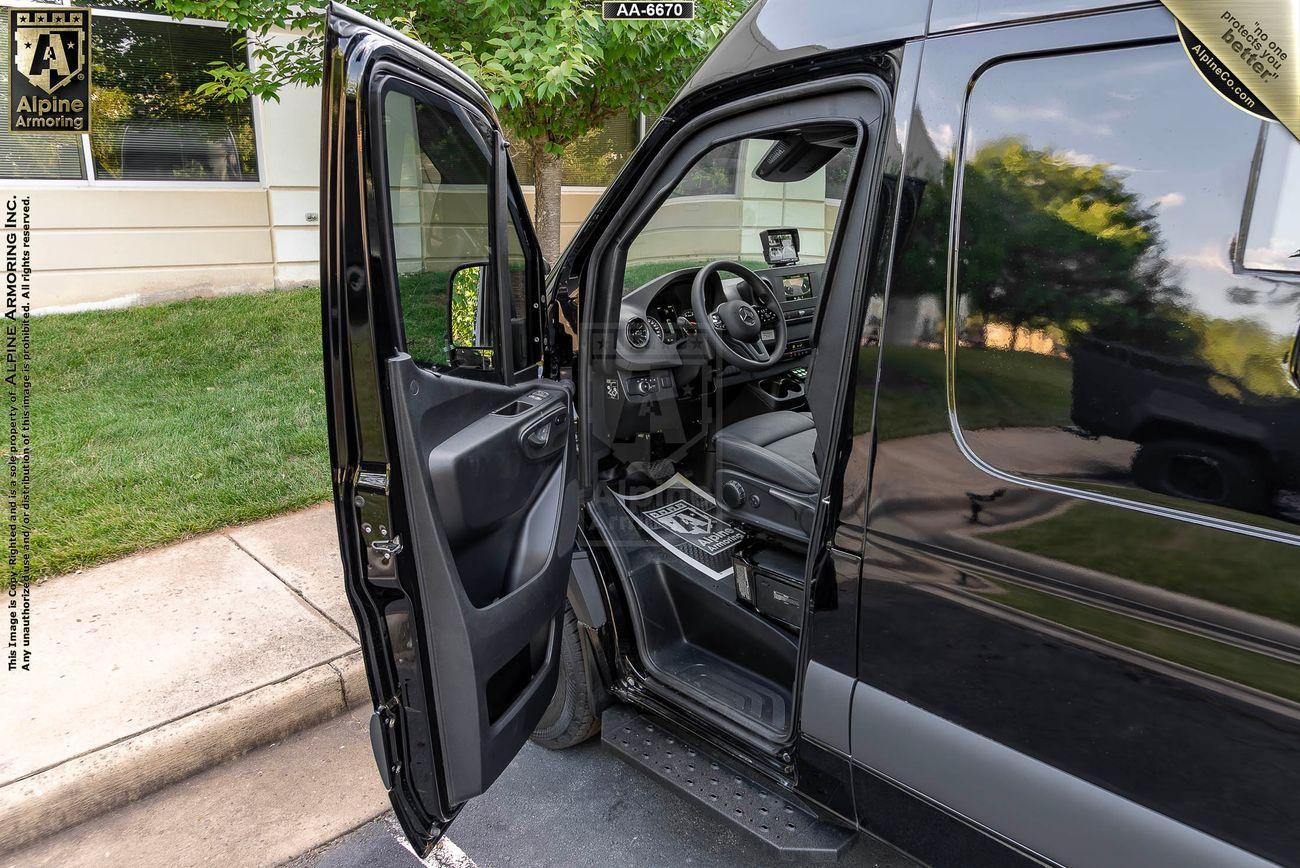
[[581, 806]]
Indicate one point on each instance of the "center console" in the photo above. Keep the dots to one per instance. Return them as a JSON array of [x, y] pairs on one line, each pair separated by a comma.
[[796, 288], [782, 392]]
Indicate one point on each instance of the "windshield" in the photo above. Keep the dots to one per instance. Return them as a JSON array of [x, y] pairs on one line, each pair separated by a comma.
[[719, 207]]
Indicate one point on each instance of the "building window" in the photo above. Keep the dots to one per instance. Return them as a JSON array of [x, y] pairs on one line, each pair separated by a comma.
[[147, 124], [33, 155]]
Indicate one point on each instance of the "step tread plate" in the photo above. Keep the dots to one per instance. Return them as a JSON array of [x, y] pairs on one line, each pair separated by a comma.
[[751, 805]]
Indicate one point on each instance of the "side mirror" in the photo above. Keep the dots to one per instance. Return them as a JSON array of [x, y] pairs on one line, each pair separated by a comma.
[[465, 305], [466, 316]]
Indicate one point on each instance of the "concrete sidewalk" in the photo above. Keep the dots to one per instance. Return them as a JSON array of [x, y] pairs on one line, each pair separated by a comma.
[[150, 669], [264, 808]]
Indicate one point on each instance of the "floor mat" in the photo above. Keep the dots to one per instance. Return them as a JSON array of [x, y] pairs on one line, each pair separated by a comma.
[[682, 519]]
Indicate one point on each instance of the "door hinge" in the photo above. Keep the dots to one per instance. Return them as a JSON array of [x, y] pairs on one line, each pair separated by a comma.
[[382, 722]]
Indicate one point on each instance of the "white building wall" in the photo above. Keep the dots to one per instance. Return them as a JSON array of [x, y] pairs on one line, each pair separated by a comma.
[[108, 244], [111, 246], [291, 151], [290, 139]]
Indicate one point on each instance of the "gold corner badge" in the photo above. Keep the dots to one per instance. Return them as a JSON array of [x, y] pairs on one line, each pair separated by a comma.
[[1248, 51], [49, 70]]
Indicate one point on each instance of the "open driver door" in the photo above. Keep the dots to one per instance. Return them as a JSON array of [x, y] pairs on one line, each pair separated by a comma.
[[454, 461]]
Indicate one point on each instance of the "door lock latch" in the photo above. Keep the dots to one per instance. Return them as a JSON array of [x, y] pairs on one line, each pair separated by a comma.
[[387, 548]]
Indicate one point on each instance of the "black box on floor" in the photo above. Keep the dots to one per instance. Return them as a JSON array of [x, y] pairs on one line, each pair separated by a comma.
[[771, 580]]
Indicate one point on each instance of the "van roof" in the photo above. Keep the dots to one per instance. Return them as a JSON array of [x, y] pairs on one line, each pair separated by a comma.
[[778, 31]]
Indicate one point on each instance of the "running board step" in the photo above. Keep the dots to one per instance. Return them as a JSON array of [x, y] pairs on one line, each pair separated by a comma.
[[733, 795]]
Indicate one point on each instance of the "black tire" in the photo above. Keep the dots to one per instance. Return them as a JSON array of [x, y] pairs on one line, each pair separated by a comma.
[[569, 720], [1206, 472]]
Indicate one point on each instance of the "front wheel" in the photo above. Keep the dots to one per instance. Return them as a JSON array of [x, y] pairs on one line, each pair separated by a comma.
[[569, 720], [1207, 472]]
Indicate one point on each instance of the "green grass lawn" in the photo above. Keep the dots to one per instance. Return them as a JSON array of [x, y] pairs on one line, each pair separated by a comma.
[[154, 423], [996, 389], [1243, 666], [1228, 568]]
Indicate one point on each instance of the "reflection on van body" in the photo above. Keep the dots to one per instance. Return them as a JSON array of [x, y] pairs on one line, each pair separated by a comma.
[[1114, 255], [1098, 564], [1204, 435]]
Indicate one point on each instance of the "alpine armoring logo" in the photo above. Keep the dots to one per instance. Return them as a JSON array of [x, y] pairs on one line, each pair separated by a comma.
[[49, 70]]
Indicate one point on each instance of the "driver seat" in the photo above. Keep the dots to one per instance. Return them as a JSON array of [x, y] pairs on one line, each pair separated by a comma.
[[767, 472]]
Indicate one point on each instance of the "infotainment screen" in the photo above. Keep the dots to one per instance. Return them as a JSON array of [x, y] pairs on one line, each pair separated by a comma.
[[780, 246], [797, 286]]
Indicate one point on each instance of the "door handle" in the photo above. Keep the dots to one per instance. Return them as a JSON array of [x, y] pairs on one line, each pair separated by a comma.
[[541, 437]]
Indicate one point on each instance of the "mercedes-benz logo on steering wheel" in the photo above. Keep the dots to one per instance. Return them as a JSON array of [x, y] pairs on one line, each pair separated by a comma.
[[747, 316]]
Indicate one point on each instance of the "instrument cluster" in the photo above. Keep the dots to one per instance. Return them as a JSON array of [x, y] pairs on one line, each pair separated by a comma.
[[668, 322]]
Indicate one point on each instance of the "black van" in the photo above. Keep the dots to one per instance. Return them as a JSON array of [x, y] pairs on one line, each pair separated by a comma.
[[906, 442]]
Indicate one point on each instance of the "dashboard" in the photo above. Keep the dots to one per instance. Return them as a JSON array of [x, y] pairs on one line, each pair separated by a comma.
[[657, 330]]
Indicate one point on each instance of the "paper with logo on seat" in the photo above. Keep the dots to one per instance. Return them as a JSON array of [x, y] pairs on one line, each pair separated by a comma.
[[680, 517]]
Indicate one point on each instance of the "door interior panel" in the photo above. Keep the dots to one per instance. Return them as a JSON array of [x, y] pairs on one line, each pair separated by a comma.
[[454, 486], [496, 480], [490, 491]]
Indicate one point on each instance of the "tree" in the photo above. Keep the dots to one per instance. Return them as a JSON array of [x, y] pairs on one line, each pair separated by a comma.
[[1050, 242], [554, 70]]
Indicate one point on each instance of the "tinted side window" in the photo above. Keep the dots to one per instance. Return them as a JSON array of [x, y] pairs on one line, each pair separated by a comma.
[[439, 174], [1105, 339], [525, 316]]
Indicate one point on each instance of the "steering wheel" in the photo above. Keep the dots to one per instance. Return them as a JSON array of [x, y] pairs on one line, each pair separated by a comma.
[[734, 329]]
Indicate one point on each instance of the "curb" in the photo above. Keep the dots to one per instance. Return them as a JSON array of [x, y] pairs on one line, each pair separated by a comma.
[[84, 787]]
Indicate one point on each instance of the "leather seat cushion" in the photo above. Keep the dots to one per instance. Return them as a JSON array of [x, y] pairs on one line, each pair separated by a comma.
[[776, 447]]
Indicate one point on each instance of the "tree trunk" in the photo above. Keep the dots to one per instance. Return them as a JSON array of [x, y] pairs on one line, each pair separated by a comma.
[[548, 176]]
